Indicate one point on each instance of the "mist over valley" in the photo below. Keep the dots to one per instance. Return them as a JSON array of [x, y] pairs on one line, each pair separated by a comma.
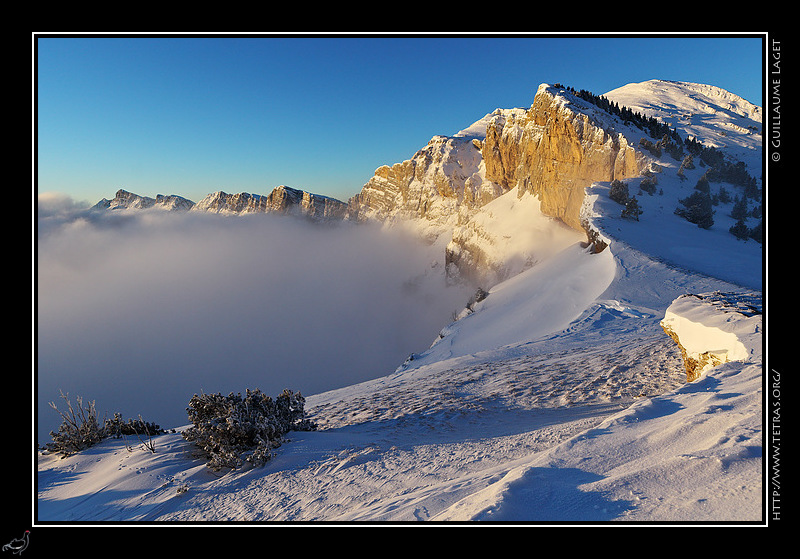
[[141, 310]]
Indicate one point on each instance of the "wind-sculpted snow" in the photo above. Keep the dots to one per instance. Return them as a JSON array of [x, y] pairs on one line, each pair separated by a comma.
[[714, 328], [399, 448], [539, 301]]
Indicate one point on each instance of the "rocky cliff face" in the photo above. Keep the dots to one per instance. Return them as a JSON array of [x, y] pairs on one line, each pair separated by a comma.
[[290, 200], [223, 203], [553, 151], [557, 149], [438, 187]]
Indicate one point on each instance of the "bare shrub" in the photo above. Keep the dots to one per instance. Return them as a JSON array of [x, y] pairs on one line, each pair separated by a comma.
[[80, 428]]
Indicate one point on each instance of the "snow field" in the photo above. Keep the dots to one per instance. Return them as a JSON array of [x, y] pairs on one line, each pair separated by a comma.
[[400, 451]]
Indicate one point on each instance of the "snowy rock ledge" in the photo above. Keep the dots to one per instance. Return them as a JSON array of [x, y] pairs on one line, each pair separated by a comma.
[[714, 328]]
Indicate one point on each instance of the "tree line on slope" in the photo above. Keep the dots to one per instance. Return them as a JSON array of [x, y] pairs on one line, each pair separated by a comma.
[[698, 207]]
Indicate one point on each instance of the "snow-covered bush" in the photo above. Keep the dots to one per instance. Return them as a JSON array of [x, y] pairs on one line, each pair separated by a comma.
[[116, 427], [232, 430]]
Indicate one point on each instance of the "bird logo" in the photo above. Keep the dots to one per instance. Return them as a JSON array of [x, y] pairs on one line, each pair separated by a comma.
[[18, 545]]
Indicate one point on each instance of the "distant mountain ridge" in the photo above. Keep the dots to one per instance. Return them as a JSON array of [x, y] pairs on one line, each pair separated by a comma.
[[128, 200], [282, 199]]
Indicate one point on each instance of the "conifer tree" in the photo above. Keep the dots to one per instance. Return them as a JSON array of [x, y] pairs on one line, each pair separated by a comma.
[[739, 210], [632, 209], [740, 230], [697, 209]]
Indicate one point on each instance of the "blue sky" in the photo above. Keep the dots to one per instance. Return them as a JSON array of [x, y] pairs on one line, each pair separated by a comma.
[[189, 116]]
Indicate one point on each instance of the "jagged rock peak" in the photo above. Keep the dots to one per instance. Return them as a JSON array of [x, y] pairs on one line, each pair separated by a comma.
[[438, 183], [128, 200], [223, 203], [288, 200], [282, 199]]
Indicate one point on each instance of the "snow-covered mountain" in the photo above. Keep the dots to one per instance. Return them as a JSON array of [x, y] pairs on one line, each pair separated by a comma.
[[124, 200], [565, 391], [719, 118], [282, 199], [567, 142]]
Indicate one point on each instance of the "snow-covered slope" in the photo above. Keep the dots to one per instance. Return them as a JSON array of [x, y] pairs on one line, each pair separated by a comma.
[[592, 422], [506, 236], [558, 397], [717, 117]]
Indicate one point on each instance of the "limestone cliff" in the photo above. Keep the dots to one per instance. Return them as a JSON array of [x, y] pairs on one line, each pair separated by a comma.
[[553, 151], [441, 184], [291, 200], [223, 203], [557, 149]]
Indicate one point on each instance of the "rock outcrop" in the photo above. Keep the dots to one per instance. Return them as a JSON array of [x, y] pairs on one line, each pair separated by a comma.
[[714, 328], [223, 203], [439, 187], [291, 200]]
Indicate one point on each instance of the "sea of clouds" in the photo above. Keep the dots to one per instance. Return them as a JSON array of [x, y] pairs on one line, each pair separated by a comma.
[[140, 310]]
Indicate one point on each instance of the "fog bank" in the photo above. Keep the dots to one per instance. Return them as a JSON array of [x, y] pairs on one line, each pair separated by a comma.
[[141, 310]]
